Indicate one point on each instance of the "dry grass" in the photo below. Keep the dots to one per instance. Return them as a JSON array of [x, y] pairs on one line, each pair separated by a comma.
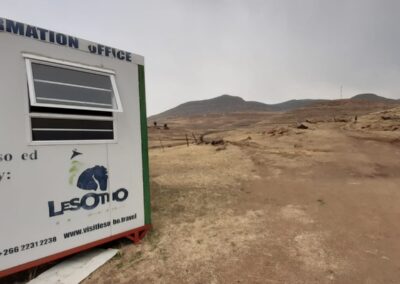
[[302, 207]]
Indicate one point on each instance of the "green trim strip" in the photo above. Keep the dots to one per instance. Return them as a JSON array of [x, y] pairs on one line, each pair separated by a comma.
[[145, 154]]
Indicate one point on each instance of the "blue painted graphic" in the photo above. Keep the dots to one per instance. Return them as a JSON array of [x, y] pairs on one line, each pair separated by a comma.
[[93, 178]]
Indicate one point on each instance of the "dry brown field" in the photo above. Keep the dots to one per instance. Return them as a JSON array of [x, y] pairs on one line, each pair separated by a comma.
[[272, 203]]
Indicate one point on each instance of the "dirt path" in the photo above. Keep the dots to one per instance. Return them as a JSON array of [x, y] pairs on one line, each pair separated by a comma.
[[338, 197], [312, 206]]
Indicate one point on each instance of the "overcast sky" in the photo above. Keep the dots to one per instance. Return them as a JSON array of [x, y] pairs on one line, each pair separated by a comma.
[[268, 51]]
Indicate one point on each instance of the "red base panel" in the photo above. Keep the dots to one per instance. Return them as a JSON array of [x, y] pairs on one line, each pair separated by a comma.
[[134, 235]]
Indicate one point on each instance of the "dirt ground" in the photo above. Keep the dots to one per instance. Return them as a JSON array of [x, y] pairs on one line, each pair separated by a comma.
[[275, 204]]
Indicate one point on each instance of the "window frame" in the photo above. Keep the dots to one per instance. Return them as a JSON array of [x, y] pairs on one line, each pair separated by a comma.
[[72, 117], [30, 115], [30, 58]]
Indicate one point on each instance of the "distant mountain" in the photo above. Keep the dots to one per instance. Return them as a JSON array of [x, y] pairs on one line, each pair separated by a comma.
[[221, 104], [372, 97], [229, 104], [294, 104]]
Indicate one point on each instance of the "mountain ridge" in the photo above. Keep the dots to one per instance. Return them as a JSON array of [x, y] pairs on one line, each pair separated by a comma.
[[228, 104]]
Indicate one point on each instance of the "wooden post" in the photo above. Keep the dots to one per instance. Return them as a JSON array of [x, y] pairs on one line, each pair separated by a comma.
[[187, 140], [194, 137], [162, 146]]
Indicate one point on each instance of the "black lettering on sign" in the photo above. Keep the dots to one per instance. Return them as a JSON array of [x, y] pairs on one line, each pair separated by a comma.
[[73, 42], [128, 57], [121, 55], [110, 52], [51, 36], [100, 49], [107, 51], [88, 202], [30, 156], [85, 204], [5, 176], [31, 32], [92, 49], [6, 157], [61, 39], [15, 27], [43, 33], [117, 196]]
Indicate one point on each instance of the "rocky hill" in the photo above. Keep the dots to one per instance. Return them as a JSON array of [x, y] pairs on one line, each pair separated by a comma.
[[230, 104], [372, 98]]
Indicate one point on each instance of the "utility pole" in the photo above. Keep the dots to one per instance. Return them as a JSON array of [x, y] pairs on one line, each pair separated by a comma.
[[341, 92]]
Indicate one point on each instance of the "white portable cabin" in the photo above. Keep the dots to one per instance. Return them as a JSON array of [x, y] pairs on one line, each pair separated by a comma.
[[73, 146]]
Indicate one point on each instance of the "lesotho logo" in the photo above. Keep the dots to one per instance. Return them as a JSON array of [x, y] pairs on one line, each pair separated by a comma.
[[94, 178]]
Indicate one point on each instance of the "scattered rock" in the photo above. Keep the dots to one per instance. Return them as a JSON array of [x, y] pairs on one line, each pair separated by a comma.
[[220, 148], [219, 141], [390, 128], [366, 126], [341, 120], [390, 117], [278, 131], [302, 126]]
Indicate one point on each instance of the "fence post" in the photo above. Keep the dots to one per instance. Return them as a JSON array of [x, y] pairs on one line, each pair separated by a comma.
[[162, 146], [194, 136]]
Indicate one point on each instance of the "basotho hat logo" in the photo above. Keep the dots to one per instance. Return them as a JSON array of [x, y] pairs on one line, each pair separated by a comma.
[[94, 178]]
